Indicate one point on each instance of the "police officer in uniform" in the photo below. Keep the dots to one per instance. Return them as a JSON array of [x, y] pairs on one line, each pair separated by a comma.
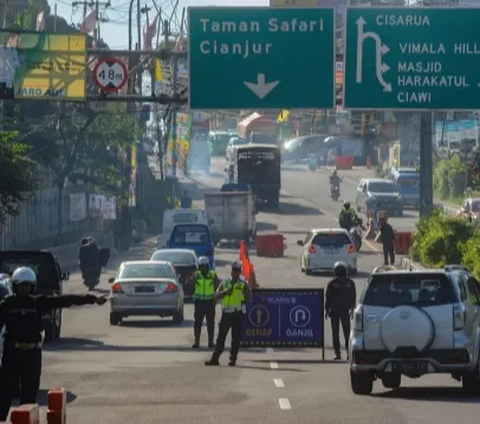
[[234, 293], [206, 283], [21, 313], [340, 300]]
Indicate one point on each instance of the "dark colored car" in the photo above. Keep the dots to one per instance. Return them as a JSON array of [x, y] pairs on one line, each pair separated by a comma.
[[184, 261], [49, 280], [379, 194], [300, 147]]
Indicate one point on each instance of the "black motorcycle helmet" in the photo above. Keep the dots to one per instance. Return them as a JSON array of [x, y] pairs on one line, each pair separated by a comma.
[[346, 205], [340, 269]]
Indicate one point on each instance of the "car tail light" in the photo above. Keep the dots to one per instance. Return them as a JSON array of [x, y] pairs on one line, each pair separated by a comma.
[[358, 320], [311, 249], [171, 288], [117, 288], [351, 248], [459, 317]]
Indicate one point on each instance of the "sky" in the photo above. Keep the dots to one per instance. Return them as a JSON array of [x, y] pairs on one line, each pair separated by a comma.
[[115, 33]]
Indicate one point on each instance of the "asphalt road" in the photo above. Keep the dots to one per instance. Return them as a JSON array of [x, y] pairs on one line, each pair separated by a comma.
[[144, 371]]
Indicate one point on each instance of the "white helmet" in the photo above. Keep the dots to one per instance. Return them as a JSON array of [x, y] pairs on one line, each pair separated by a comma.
[[24, 275], [203, 261]]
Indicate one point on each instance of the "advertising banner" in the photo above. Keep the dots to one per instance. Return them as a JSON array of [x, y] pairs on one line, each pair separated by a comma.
[[42, 66], [180, 148], [285, 317]]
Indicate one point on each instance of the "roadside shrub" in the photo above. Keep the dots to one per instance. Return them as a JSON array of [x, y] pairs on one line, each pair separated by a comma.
[[471, 255], [449, 178], [439, 239]]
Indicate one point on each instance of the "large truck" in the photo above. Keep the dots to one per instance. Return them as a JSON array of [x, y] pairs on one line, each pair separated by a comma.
[[258, 129], [232, 214], [259, 166]]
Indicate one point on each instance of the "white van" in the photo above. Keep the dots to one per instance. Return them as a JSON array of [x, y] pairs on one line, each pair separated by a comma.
[[180, 216]]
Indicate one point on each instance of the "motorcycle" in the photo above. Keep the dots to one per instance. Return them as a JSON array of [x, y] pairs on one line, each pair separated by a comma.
[[356, 233], [312, 163], [91, 278], [334, 192]]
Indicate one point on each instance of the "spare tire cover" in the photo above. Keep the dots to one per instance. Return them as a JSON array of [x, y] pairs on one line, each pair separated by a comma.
[[407, 326]]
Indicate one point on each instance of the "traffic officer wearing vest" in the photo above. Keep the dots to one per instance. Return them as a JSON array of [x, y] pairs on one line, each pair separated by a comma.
[[21, 313], [206, 283], [234, 293]]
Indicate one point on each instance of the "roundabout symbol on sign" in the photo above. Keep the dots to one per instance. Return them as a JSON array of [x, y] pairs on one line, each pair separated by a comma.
[[259, 316], [300, 316], [110, 74]]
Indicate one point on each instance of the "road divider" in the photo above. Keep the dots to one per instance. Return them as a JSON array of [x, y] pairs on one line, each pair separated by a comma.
[[57, 406], [25, 414], [270, 245]]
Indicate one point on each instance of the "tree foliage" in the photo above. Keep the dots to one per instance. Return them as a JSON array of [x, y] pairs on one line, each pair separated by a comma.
[[17, 172]]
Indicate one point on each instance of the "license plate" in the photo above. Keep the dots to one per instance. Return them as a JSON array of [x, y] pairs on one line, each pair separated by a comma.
[[331, 251], [144, 289], [410, 366]]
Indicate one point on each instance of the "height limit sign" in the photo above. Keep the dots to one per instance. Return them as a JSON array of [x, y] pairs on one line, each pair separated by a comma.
[[110, 74]]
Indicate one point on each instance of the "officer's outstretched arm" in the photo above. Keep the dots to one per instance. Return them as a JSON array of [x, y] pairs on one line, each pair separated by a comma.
[[66, 301]]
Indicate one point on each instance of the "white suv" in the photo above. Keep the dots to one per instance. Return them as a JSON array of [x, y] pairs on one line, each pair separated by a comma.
[[413, 323]]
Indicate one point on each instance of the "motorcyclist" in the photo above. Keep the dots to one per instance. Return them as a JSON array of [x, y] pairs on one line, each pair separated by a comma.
[[347, 216], [21, 313], [335, 181], [89, 257]]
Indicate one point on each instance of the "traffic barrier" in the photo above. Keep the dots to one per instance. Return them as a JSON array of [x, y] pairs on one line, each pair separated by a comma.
[[403, 242], [344, 162], [25, 414], [270, 245], [57, 406]]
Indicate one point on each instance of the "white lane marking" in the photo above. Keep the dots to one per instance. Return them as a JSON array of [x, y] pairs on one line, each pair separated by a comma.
[[274, 365], [284, 404], [279, 383], [269, 349]]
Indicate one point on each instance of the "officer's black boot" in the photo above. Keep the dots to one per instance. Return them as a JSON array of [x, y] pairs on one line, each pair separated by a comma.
[[213, 360], [196, 333], [233, 361]]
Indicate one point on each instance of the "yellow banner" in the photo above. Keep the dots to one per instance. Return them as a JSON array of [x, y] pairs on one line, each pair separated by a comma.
[[42, 66], [158, 70]]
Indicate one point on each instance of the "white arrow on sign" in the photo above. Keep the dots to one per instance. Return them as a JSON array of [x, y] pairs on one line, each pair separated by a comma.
[[260, 88]]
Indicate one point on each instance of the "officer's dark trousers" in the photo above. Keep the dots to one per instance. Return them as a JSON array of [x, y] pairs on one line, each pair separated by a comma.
[[234, 321], [388, 253], [336, 318], [204, 309], [19, 365]]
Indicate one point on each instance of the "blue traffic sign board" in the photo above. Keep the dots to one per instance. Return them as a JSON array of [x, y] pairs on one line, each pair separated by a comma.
[[261, 57], [285, 317]]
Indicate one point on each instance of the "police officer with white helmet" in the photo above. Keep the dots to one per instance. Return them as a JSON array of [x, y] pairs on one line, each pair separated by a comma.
[[21, 313]]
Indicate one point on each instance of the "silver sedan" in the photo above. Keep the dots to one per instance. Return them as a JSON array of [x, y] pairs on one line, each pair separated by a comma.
[[148, 288]]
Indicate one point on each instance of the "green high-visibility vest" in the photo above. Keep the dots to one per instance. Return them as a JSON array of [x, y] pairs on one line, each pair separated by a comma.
[[204, 286], [236, 298]]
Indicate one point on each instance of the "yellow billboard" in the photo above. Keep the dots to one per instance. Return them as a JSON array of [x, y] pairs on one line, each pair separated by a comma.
[[42, 66]]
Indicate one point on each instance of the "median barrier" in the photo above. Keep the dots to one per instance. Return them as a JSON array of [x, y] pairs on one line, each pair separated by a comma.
[[25, 414], [57, 406]]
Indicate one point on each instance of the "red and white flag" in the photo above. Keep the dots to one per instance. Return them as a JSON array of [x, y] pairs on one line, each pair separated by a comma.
[[149, 32], [89, 22], [41, 21]]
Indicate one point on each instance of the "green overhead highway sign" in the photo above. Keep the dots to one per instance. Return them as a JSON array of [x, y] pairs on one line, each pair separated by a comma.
[[412, 58], [260, 58]]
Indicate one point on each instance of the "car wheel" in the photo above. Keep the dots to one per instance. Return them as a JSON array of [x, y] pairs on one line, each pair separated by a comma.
[[471, 382], [392, 381], [178, 317], [58, 327], [308, 271], [50, 331], [361, 382], [115, 318]]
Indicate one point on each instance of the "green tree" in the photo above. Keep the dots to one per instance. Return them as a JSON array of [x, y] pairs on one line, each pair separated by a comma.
[[17, 172]]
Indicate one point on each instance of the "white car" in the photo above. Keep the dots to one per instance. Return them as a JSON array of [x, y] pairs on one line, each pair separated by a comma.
[[415, 323], [323, 247]]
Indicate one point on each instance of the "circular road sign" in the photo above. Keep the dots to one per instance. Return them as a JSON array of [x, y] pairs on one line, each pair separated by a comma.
[[110, 74]]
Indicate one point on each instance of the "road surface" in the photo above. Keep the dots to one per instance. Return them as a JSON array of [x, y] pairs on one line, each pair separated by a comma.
[[144, 371]]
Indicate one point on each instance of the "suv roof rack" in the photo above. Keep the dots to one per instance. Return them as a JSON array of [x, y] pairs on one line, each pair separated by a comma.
[[454, 267], [384, 268]]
